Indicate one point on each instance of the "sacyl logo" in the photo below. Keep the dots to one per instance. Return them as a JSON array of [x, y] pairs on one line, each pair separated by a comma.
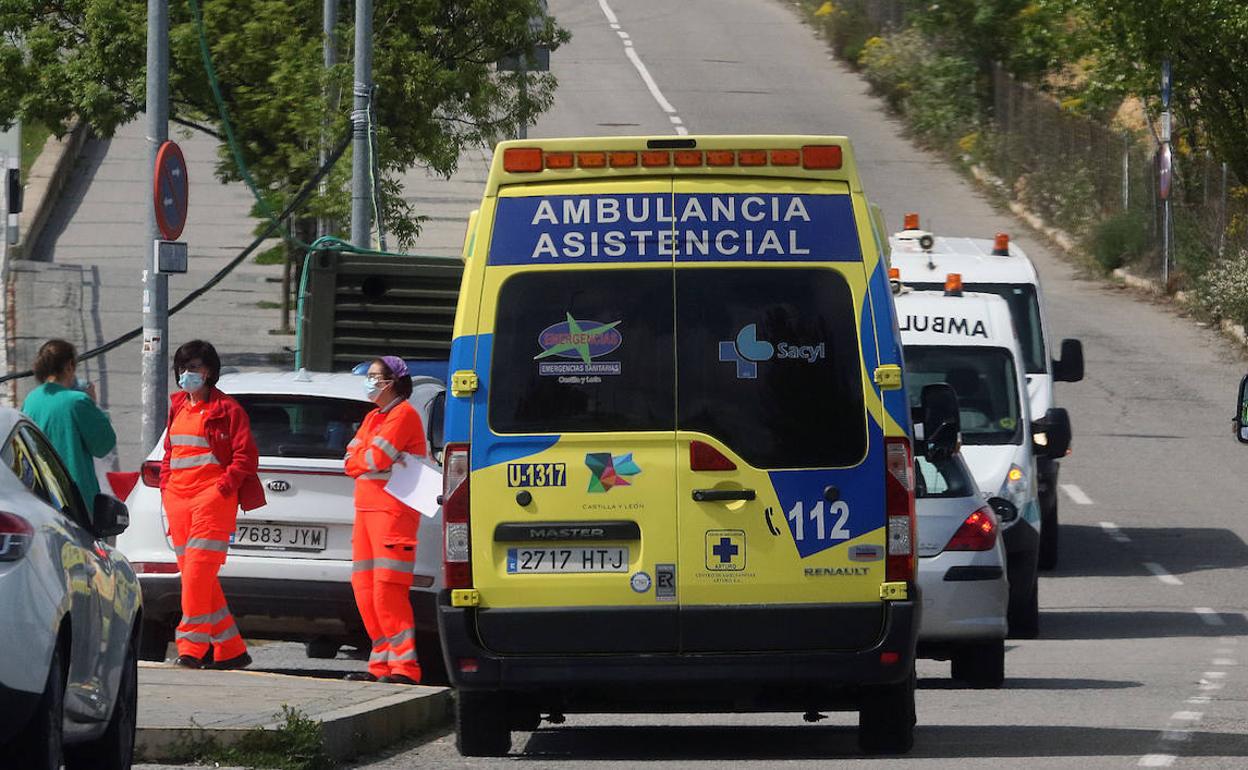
[[747, 350]]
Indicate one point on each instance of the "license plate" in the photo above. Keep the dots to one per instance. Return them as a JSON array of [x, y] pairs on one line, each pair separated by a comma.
[[558, 560], [267, 536]]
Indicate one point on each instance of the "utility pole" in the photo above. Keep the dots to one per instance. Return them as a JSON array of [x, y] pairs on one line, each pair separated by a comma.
[[155, 285], [329, 50], [361, 160]]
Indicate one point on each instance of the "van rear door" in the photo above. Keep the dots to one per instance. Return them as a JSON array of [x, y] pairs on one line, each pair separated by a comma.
[[573, 475], [780, 454]]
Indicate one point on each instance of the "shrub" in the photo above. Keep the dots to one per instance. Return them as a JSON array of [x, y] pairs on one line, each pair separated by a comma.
[[1223, 289], [934, 91], [1120, 239]]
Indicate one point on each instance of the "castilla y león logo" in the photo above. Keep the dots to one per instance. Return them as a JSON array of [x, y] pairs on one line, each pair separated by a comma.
[[606, 470]]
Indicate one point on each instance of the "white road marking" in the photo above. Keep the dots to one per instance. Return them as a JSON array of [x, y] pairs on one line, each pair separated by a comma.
[[1225, 662], [675, 120], [1198, 700], [1186, 716], [1210, 616], [1176, 735], [1114, 533], [1210, 686], [1156, 760], [1160, 573], [1076, 494], [640, 66], [1214, 675]]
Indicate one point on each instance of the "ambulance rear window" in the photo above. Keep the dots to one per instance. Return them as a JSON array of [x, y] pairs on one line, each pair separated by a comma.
[[584, 350], [984, 380], [768, 363], [1024, 312], [302, 426]]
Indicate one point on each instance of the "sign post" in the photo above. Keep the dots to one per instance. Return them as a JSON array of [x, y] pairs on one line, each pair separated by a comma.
[[1165, 171]]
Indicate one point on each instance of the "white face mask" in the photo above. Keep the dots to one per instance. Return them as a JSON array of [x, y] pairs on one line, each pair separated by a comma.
[[190, 381], [372, 389]]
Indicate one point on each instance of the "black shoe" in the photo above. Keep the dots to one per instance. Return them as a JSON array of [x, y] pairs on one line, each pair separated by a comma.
[[360, 676], [238, 661], [188, 661], [398, 679]]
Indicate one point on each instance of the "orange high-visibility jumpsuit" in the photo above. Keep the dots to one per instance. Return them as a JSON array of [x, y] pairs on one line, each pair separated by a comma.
[[383, 544], [201, 520]]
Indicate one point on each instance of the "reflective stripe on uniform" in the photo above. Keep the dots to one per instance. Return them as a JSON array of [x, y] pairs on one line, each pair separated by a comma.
[[368, 458], [205, 544], [354, 443], [398, 565], [179, 550], [376, 474], [195, 636], [386, 447], [403, 636], [220, 614], [194, 461], [225, 635], [403, 657], [184, 439]]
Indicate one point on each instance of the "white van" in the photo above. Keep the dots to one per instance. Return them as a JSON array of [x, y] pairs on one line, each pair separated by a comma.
[[968, 341], [1002, 268]]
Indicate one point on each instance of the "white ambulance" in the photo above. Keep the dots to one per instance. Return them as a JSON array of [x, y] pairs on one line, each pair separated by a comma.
[[1002, 268], [968, 340]]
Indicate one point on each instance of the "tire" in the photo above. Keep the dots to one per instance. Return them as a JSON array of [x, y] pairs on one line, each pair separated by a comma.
[[38, 745], [1048, 530], [886, 718], [1024, 616], [322, 649], [114, 750], [981, 664], [482, 728], [432, 664], [154, 640]]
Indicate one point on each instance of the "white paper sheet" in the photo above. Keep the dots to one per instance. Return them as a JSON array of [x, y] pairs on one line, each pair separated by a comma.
[[416, 483]]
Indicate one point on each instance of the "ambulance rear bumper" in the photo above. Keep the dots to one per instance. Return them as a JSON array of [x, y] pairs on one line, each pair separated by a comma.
[[672, 681]]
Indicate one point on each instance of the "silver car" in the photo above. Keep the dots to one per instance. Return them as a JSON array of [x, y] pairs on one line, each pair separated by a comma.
[[961, 571], [71, 606]]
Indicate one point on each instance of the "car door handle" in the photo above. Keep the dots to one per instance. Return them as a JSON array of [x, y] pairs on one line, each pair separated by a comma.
[[722, 495]]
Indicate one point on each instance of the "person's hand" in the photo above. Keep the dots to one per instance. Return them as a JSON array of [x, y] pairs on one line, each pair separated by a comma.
[[401, 459], [90, 391]]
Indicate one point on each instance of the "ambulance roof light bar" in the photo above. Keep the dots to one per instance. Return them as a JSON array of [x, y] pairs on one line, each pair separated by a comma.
[[666, 153]]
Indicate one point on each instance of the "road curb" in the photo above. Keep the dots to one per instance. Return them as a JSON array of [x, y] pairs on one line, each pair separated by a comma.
[[48, 175], [346, 732]]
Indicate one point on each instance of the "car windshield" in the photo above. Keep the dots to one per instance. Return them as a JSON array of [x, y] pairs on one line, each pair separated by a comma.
[[302, 426], [1024, 312], [984, 380], [948, 477]]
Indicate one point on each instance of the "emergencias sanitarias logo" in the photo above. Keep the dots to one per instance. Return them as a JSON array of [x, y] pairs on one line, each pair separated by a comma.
[[607, 470], [582, 342]]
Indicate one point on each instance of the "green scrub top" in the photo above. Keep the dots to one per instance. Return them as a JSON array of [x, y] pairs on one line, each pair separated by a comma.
[[77, 429]]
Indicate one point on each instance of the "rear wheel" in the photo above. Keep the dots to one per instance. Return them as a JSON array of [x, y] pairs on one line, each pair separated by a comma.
[[38, 746], [1024, 615], [482, 726], [1048, 530], [322, 649], [886, 718], [981, 664], [114, 750], [155, 636]]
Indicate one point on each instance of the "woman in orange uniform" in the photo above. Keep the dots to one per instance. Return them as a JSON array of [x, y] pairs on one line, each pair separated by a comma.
[[383, 546], [208, 471]]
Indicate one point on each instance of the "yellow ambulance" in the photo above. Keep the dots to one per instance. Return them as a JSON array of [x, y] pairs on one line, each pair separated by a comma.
[[679, 466]]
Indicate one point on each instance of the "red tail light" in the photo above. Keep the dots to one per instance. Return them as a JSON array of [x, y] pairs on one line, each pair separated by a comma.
[[899, 508], [704, 457], [456, 542], [155, 567], [16, 535], [150, 473], [977, 533], [122, 482]]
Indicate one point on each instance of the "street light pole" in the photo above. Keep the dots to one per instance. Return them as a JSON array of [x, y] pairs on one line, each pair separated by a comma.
[[329, 52], [361, 161], [155, 285]]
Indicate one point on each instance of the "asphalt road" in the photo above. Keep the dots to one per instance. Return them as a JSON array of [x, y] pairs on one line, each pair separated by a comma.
[[1143, 624]]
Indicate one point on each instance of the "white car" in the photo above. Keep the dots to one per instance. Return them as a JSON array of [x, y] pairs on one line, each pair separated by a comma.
[[288, 575], [71, 607], [962, 576]]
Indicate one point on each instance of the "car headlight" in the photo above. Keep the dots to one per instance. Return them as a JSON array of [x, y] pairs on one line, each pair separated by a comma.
[[1016, 488]]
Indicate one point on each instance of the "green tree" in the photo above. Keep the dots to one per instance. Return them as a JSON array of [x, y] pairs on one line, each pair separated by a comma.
[[1206, 42], [437, 91]]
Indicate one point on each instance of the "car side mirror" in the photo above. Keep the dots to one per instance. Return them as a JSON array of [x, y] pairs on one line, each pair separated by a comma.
[[437, 426], [1069, 368], [109, 516], [942, 422], [1005, 510], [1051, 435], [1240, 421]]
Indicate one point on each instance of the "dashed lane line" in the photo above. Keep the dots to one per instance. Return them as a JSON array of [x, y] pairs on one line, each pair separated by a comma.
[[1160, 573], [1156, 760], [631, 54], [1076, 494], [1114, 532], [1210, 616]]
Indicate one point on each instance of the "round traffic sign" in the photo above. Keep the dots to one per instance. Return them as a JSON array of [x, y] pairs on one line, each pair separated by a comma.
[[170, 190], [1165, 170]]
